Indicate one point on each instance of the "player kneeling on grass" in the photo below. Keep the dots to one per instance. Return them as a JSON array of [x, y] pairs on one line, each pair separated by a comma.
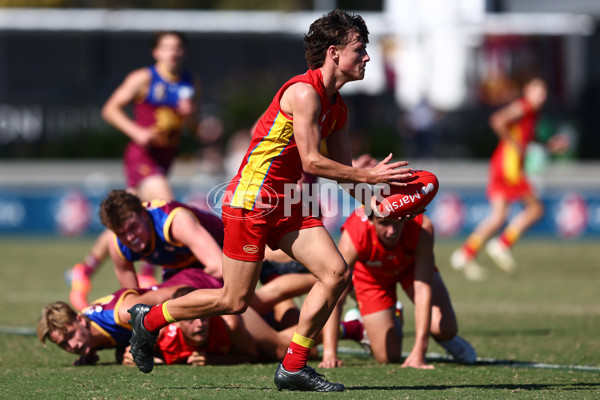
[[383, 252], [104, 324]]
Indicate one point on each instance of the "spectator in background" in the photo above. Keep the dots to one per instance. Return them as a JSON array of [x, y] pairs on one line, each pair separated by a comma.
[[515, 126], [164, 98]]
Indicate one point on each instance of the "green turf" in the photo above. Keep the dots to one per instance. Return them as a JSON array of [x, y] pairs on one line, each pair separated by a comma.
[[548, 313]]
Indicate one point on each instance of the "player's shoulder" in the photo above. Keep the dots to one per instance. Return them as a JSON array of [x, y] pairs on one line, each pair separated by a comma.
[[358, 220], [139, 76]]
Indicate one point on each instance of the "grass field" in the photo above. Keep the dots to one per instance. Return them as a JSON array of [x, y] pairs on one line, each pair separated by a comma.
[[549, 313]]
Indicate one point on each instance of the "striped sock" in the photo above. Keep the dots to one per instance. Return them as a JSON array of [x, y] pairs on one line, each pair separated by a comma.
[[297, 354], [509, 237], [472, 246], [158, 317]]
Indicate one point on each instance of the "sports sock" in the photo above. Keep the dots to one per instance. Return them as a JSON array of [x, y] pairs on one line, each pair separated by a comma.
[[351, 330], [158, 317], [472, 246], [509, 237], [297, 354]]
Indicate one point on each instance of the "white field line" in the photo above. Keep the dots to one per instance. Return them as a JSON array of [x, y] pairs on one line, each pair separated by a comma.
[[525, 308], [485, 361]]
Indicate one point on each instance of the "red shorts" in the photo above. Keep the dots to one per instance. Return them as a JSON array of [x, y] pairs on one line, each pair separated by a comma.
[[248, 231], [374, 296], [140, 163]]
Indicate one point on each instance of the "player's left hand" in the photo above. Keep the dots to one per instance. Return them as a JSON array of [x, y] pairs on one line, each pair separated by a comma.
[[197, 358], [90, 359], [416, 361], [331, 362]]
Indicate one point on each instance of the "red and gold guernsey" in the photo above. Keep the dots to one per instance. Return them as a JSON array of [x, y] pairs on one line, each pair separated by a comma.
[[173, 348], [272, 159], [376, 264], [507, 177]]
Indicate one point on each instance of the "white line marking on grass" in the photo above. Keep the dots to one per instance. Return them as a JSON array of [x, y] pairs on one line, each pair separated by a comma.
[[17, 330], [523, 308], [484, 361]]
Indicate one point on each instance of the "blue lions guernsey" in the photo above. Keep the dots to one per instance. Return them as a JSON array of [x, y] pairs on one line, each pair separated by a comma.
[[163, 250], [103, 316]]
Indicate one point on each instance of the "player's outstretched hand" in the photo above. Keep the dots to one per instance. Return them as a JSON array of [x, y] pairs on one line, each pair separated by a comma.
[[384, 172], [330, 362], [90, 359], [197, 358], [416, 361]]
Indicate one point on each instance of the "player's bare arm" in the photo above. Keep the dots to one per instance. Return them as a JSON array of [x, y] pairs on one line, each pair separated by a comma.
[[501, 120], [186, 229], [303, 104], [424, 268], [135, 84], [124, 270], [330, 330]]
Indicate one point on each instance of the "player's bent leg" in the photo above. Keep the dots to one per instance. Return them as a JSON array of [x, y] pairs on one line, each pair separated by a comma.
[[385, 335], [444, 327], [313, 248], [443, 319], [155, 187]]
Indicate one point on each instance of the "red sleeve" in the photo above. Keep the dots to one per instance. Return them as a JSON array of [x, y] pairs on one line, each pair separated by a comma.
[[357, 228]]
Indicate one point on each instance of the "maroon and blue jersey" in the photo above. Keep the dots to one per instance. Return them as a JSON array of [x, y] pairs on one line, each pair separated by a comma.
[[163, 249], [158, 109], [102, 314]]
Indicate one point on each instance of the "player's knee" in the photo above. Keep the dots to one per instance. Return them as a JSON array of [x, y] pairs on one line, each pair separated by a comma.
[[445, 330], [538, 210], [233, 304], [340, 277]]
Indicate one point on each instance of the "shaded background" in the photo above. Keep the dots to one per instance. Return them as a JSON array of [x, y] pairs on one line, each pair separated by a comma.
[[439, 68]]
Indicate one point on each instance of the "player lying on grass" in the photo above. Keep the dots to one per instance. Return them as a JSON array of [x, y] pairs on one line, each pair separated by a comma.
[[104, 324], [225, 339], [164, 98], [383, 252]]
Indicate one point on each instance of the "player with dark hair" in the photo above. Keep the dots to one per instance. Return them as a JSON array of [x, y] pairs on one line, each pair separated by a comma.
[[515, 126], [166, 233], [164, 98], [306, 112], [382, 253]]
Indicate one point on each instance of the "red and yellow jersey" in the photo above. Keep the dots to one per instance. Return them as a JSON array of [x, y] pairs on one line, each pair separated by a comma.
[[376, 263], [507, 175], [172, 347], [272, 159], [507, 159]]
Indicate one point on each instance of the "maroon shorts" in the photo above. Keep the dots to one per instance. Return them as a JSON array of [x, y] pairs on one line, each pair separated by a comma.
[[248, 231], [140, 163]]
